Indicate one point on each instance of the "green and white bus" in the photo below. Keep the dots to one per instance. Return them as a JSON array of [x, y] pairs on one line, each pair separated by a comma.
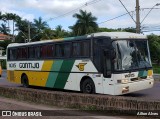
[[112, 63]]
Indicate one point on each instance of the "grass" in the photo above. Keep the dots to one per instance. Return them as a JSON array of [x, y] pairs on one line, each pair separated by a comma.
[[156, 69]]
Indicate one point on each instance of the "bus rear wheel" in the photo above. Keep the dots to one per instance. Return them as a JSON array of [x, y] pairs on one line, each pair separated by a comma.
[[24, 81], [88, 86]]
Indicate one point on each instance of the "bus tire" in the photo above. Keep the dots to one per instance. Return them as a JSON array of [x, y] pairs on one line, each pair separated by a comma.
[[88, 86], [24, 81]]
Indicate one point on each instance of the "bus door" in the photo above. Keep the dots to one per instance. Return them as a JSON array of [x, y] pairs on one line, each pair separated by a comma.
[[108, 81]]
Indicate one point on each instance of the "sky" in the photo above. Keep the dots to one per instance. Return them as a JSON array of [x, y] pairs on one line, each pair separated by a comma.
[[104, 10]]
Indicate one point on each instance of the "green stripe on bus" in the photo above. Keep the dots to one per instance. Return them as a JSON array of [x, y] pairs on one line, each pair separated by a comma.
[[62, 77], [145, 73], [77, 37], [142, 73], [56, 66], [70, 38]]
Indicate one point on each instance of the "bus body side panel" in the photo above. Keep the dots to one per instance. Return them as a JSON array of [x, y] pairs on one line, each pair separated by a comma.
[[80, 69], [32, 69], [11, 77], [62, 74], [108, 85]]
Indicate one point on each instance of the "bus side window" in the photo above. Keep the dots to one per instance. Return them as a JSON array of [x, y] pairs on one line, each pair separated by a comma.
[[22, 53], [76, 51], [59, 50], [67, 50], [43, 51], [50, 51], [37, 52], [31, 52], [12, 54], [85, 49]]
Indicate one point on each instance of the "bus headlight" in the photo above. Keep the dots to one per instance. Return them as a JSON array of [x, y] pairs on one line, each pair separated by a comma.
[[124, 81], [151, 77], [125, 89]]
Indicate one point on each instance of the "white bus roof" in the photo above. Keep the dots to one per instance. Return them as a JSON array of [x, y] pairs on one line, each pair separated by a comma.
[[120, 35], [112, 35]]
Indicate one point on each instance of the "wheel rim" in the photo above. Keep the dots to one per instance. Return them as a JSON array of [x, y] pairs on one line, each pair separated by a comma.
[[88, 88]]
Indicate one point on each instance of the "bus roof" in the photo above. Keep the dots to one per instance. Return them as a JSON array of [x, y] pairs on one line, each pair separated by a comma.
[[120, 35], [112, 35]]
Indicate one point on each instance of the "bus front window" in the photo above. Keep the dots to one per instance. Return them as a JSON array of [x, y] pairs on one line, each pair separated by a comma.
[[131, 54]]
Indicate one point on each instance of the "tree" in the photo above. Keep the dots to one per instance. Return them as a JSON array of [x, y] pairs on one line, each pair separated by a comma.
[[106, 30], [60, 32], [48, 34], [154, 44], [40, 27], [22, 28], [7, 17], [15, 18], [129, 29], [5, 43], [1, 16], [86, 23], [4, 29]]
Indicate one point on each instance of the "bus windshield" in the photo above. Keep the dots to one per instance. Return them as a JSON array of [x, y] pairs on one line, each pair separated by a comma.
[[131, 55]]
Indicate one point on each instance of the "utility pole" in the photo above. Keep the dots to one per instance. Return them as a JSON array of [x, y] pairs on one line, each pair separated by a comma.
[[13, 38], [29, 34], [137, 17]]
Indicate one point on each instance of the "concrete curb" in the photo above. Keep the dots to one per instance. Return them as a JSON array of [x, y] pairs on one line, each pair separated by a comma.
[[80, 101]]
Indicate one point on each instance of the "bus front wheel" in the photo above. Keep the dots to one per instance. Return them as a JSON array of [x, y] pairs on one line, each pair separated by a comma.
[[88, 86], [24, 81]]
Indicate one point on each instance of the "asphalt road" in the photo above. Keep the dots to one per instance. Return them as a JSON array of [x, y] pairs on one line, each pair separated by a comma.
[[152, 93], [4, 81]]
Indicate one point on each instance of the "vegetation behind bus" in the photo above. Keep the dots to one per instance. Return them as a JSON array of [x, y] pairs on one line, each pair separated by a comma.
[[40, 31]]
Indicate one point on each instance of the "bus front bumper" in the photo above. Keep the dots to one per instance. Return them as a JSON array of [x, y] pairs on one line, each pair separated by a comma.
[[121, 89]]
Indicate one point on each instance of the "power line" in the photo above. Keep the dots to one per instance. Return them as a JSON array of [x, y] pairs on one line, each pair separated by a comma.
[[123, 15], [149, 8], [127, 11], [151, 30], [149, 12], [150, 27], [114, 18], [74, 10]]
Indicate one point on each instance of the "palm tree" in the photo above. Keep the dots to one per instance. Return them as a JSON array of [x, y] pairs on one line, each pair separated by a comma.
[[48, 33], [22, 27], [15, 18], [86, 23], [40, 25], [59, 32], [1, 16], [7, 17], [4, 29]]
